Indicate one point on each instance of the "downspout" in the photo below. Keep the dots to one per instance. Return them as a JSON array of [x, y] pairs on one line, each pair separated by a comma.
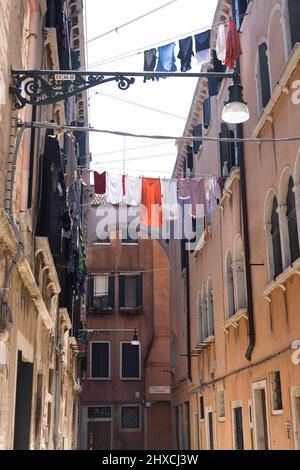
[[31, 65], [251, 326], [188, 318], [240, 134]]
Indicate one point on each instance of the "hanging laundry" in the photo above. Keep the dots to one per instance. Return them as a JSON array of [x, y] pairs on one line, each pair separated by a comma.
[[123, 184], [212, 193], [169, 199], [221, 44], [202, 42], [197, 198], [186, 53], [233, 45], [151, 213], [133, 189], [184, 189], [114, 188], [150, 59], [166, 58], [100, 182]]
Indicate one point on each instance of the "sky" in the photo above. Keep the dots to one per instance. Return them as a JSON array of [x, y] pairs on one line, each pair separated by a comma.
[[129, 111]]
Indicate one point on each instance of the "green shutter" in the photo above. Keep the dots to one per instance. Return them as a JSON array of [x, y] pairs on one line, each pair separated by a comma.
[[111, 290], [121, 291], [90, 293], [139, 290]]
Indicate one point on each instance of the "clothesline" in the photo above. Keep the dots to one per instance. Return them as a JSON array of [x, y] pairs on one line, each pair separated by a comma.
[[134, 52]]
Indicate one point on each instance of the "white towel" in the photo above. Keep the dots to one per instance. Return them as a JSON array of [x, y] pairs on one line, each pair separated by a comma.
[[221, 44], [203, 56], [133, 190], [114, 188], [169, 199]]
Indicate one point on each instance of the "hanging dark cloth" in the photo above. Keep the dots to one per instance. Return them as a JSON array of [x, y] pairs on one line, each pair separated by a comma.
[[100, 182], [202, 45], [150, 59], [186, 53]]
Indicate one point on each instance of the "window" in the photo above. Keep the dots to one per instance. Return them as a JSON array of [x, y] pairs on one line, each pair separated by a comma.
[[264, 75], [292, 222], [100, 360], [96, 412], [238, 427], [197, 132], [51, 382], [127, 239], [276, 239], [228, 157], [131, 291], [240, 8], [210, 309], [189, 159], [294, 15], [201, 408], [206, 112], [130, 418], [241, 297], [221, 405], [215, 83], [204, 324], [276, 392], [130, 361], [100, 294], [229, 286]]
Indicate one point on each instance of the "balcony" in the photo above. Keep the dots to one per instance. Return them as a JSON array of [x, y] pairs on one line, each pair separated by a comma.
[[235, 319]]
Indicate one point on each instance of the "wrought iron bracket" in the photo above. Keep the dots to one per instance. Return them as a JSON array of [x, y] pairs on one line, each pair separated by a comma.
[[44, 87]]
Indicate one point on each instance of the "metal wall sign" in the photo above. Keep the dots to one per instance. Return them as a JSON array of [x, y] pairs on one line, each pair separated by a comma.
[[160, 389]]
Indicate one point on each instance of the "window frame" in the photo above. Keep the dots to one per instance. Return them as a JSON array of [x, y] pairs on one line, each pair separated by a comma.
[[91, 361], [133, 405], [220, 418], [271, 378], [121, 357]]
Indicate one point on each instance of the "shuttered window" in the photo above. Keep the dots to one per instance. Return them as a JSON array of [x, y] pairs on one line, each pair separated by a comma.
[[215, 83], [100, 361], [292, 222], [240, 8], [265, 87], [206, 112], [227, 151], [275, 232], [294, 17], [197, 132], [131, 290], [130, 361], [189, 158], [100, 294]]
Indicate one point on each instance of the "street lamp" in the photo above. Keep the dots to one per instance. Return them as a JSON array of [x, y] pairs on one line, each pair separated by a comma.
[[42, 87], [87, 334], [135, 341], [235, 110]]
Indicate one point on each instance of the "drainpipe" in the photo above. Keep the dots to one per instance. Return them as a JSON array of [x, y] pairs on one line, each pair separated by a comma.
[[188, 318], [251, 326], [34, 23]]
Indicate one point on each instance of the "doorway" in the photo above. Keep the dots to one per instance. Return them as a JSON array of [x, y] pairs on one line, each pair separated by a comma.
[[99, 428], [23, 404], [261, 425], [295, 401], [210, 429], [238, 427]]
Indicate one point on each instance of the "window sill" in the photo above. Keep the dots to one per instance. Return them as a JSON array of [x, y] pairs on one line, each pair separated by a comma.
[[277, 412], [280, 280], [101, 311], [131, 310], [235, 319], [227, 191], [204, 344]]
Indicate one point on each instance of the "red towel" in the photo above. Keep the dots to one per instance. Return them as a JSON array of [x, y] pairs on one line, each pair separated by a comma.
[[100, 182], [233, 45], [151, 210]]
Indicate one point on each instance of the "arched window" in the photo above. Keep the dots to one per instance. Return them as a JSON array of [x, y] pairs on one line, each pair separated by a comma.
[[239, 264], [264, 75], [210, 309], [229, 286], [276, 239], [292, 222], [204, 313], [294, 15], [199, 311]]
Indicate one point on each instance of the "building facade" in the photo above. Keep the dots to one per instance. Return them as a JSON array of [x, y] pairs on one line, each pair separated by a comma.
[[126, 387], [235, 331], [40, 296]]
